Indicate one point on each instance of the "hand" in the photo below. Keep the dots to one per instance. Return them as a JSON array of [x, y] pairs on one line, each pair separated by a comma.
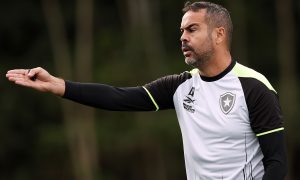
[[37, 78]]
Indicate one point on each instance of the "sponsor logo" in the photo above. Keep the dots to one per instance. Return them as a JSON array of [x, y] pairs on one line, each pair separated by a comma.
[[189, 100], [227, 101]]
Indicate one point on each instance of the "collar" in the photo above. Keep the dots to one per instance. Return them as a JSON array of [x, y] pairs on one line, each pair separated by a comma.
[[219, 76]]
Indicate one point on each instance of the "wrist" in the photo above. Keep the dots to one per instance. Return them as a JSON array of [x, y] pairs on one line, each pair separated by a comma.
[[58, 86]]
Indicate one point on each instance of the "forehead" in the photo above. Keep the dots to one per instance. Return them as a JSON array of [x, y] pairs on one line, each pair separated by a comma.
[[192, 17]]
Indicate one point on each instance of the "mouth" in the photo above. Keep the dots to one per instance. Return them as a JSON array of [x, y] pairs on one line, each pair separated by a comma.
[[187, 51]]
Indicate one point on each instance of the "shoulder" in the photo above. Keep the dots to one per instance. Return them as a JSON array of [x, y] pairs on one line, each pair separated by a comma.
[[162, 89], [171, 81], [261, 99], [252, 78]]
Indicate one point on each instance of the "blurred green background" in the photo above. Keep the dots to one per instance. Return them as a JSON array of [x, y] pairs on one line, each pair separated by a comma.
[[123, 43]]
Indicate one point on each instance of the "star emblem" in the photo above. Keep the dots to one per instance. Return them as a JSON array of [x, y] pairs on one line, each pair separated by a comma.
[[227, 102]]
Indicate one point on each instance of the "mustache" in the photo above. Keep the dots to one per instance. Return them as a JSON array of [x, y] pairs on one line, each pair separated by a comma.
[[186, 47]]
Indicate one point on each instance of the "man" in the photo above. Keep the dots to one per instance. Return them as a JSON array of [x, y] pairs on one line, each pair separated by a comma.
[[229, 114]]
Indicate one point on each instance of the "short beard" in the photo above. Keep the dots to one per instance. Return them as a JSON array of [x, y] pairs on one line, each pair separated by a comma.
[[202, 57], [200, 60]]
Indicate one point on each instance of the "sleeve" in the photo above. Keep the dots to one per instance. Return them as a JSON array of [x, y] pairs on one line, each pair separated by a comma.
[[153, 96], [264, 109], [109, 97], [275, 163], [267, 123], [162, 90]]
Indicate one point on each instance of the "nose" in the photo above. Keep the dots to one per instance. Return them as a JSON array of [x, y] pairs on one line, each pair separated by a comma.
[[184, 37]]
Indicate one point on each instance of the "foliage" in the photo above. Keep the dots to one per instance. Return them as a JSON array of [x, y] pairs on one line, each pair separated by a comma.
[[33, 142]]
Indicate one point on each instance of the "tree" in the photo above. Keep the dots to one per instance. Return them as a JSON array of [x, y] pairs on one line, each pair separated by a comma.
[[287, 64], [238, 12], [79, 120]]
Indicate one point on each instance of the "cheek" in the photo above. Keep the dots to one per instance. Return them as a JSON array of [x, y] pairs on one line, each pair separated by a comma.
[[201, 39], [202, 43]]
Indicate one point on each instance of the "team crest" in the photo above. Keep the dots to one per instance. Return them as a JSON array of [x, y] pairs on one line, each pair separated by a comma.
[[227, 102]]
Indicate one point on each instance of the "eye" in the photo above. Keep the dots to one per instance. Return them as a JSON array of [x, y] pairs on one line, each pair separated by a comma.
[[192, 29]]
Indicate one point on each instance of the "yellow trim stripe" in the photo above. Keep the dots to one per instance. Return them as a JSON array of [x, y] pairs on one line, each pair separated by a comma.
[[194, 71], [152, 99], [268, 132], [243, 71]]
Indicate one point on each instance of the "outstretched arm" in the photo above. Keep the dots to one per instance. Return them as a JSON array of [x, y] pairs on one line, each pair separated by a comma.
[[37, 78], [156, 95], [96, 95]]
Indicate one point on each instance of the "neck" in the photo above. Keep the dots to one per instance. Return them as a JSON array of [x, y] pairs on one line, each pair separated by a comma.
[[216, 64]]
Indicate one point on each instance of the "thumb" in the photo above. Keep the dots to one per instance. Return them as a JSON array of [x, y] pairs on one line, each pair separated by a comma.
[[33, 73]]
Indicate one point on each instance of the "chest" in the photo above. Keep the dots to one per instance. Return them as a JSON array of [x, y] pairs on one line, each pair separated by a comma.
[[213, 108]]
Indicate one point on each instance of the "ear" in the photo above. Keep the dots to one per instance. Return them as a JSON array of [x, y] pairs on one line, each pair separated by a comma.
[[219, 35]]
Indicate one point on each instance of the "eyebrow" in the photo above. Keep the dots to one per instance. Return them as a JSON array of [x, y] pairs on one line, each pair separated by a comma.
[[189, 26]]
